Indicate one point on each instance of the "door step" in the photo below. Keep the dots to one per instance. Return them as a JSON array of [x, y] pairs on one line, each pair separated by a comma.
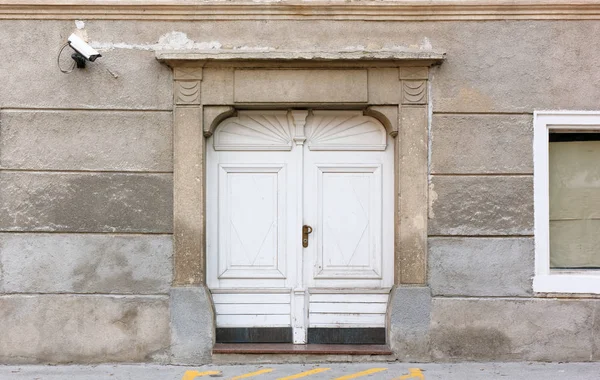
[[301, 349]]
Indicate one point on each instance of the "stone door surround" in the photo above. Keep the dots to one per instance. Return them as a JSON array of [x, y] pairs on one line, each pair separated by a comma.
[[209, 87]]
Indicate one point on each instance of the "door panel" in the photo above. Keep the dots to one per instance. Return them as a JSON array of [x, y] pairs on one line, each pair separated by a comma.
[[348, 200], [253, 320], [352, 221], [241, 308], [350, 309], [251, 211], [349, 220], [265, 180], [252, 203]]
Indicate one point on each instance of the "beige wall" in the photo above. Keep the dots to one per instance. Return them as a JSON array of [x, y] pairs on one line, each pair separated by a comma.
[[86, 158]]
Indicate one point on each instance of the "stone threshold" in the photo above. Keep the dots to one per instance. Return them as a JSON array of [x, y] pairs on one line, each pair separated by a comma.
[[301, 349]]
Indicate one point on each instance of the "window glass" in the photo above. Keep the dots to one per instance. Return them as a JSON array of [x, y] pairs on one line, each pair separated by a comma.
[[574, 189]]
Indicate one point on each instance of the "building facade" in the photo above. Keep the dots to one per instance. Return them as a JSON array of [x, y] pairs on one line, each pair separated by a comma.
[[419, 174]]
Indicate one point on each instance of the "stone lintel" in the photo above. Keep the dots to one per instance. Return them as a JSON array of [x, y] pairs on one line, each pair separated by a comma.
[[414, 57]]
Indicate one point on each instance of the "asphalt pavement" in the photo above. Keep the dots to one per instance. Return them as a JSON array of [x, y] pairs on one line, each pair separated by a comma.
[[329, 371]]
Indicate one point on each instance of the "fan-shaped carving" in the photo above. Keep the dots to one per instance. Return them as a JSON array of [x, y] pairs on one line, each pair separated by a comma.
[[255, 130], [345, 130]]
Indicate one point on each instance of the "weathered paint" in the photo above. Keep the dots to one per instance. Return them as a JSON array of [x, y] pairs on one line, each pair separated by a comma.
[[361, 373], [191, 375], [252, 374], [304, 374]]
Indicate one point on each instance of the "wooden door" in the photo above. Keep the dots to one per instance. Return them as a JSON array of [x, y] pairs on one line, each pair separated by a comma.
[[251, 199], [264, 182], [348, 202]]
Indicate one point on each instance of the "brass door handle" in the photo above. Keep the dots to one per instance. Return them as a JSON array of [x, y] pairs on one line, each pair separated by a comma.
[[305, 231]]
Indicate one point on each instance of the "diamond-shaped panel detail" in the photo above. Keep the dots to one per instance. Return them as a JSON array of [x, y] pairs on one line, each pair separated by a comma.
[[253, 218], [346, 219]]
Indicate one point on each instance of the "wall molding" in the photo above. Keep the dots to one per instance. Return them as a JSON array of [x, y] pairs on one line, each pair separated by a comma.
[[399, 10]]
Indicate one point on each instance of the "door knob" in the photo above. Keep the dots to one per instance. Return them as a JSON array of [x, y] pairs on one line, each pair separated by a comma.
[[305, 231]]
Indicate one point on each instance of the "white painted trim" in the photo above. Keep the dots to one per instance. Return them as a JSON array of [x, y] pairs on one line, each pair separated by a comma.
[[567, 283], [251, 290], [349, 290], [299, 298], [545, 280]]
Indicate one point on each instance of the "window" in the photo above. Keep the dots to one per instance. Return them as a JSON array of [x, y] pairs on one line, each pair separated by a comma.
[[566, 149]]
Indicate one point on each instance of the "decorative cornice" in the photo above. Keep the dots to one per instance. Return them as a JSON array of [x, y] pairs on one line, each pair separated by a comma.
[[183, 57], [403, 10]]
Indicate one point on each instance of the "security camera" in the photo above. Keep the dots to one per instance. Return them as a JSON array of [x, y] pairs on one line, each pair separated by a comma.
[[83, 51]]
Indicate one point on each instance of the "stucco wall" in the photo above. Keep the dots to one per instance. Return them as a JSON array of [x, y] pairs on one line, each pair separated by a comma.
[[86, 183]]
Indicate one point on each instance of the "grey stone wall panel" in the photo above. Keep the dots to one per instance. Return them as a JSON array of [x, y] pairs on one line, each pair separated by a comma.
[[479, 267], [86, 202], [481, 205], [86, 140], [519, 67], [488, 69], [512, 329], [121, 79], [596, 334], [86, 263], [83, 329], [481, 144]]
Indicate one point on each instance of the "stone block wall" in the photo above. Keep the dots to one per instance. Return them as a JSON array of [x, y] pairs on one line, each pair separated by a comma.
[[86, 185], [85, 203], [481, 235]]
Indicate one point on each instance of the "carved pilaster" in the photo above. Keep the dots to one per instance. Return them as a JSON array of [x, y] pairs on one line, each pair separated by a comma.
[[412, 185], [299, 122], [186, 90], [188, 171], [414, 85]]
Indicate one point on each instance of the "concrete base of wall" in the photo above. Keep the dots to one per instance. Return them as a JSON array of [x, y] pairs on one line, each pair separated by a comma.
[[505, 329], [53, 329], [192, 325], [409, 315], [424, 328], [111, 328]]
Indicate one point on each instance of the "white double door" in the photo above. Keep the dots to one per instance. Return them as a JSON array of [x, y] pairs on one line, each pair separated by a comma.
[[272, 176]]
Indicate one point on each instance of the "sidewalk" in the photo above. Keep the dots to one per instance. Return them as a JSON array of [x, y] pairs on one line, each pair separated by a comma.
[[340, 371]]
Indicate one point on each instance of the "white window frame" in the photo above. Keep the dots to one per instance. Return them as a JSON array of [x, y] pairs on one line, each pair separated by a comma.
[[545, 280]]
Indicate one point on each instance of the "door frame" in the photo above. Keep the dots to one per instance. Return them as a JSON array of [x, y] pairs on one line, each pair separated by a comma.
[[209, 87], [299, 162]]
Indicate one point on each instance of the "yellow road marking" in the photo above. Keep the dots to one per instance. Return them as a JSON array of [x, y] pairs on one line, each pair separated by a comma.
[[256, 373], [191, 375], [303, 374], [360, 374], [413, 373]]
